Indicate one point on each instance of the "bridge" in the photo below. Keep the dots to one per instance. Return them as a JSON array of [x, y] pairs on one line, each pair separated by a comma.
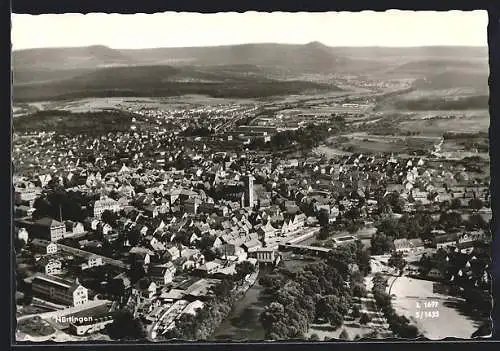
[[87, 254], [316, 250]]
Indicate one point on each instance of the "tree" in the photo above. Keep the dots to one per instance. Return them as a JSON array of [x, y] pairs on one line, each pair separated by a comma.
[[27, 299], [455, 204], [476, 204], [395, 202], [323, 218], [19, 244], [372, 335], [450, 220], [109, 217], [358, 290], [381, 244], [397, 261], [364, 319], [125, 327], [314, 337], [344, 335], [223, 289], [272, 314], [330, 307], [133, 236], [355, 311], [476, 221], [324, 233], [243, 269], [136, 272]]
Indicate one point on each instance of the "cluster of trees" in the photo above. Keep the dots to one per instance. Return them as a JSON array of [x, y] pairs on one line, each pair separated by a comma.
[[392, 202], [60, 203], [409, 226], [400, 325], [308, 137], [69, 122], [126, 327], [202, 325], [196, 131], [420, 225], [320, 291], [450, 263]]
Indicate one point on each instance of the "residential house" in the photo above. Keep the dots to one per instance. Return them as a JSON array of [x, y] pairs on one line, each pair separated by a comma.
[[48, 229], [416, 245], [86, 326], [402, 245], [445, 240], [435, 273], [105, 204], [160, 274], [265, 255], [191, 205], [92, 261], [22, 234], [251, 245], [60, 291], [44, 247], [24, 211], [144, 291], [50, 265], [267, 231], [209, 268], [74, 227], [142, 255], [470, 237]]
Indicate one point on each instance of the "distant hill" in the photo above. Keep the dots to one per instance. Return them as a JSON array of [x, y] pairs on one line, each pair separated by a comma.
[[232, 70], [414, 53], [313, 56], [162, 81], [450, 79], [68, 58]]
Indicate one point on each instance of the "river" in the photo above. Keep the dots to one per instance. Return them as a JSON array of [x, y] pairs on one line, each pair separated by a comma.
[[243, 323]]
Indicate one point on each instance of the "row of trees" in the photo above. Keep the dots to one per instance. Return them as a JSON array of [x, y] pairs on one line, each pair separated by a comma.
[[420, 225], [201, 325], [400, 325], [61, 203], [307, 137]]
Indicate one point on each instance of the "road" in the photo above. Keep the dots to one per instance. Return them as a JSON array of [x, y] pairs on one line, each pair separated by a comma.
[[166, 318], [86, 254]]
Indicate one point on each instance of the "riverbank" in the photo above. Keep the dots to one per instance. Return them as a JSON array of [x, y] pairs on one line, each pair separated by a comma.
[[243, 321]]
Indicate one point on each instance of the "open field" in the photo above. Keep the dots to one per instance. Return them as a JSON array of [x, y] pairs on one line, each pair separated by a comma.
[[440, 122], [99, 104]]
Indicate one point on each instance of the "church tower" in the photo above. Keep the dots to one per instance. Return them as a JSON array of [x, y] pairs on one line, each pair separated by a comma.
[[249, 192]]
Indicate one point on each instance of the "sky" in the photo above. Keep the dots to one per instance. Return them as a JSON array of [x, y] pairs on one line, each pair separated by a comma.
[[171, 29]]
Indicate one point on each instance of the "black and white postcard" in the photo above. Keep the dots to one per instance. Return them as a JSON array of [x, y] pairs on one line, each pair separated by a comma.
[[251, 176]]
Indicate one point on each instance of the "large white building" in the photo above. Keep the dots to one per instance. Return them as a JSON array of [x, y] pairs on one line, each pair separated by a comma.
[[60, 291], [105, 204]]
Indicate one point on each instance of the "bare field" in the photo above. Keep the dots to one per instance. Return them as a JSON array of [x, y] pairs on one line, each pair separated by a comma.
[[99, 104], [450, 318], [444, 93], [459, 124]]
